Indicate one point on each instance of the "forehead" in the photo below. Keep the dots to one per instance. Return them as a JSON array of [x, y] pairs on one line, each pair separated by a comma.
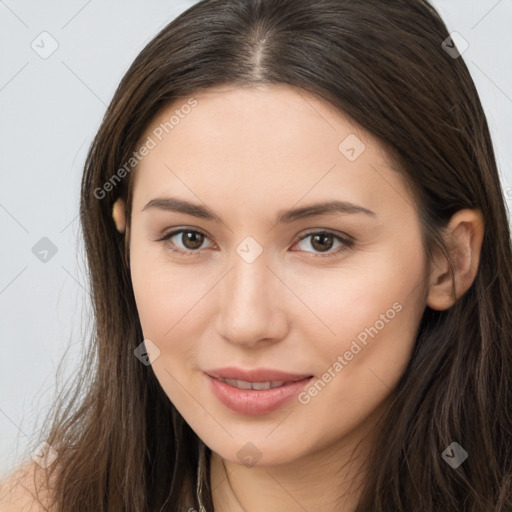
[[261, 141]]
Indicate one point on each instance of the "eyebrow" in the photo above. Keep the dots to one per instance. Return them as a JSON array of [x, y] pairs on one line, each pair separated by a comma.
[[283, 216]]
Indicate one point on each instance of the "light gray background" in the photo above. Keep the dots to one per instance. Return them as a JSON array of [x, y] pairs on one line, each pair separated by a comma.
[[49, 111]]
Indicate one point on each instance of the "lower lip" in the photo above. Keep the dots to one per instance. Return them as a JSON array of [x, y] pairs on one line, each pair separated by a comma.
[[252, 402]]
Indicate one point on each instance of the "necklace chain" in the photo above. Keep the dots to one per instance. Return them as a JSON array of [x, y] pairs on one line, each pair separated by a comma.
[[201, 472]]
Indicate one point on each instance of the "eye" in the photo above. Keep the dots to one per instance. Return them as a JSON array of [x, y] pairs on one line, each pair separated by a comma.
[[323, 241], [191, 240]]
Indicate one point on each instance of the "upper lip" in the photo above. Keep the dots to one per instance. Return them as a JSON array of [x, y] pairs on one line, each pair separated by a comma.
[[255, 375]]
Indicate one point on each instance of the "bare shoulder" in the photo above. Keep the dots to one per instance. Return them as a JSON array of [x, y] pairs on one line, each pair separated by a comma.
[[25, 490]]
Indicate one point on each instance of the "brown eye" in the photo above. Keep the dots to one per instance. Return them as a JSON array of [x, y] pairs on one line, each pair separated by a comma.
[[186, 241], [192, 239], [323, 242]]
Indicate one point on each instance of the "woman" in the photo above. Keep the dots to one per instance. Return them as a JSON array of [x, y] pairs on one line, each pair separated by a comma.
[[333, 332]]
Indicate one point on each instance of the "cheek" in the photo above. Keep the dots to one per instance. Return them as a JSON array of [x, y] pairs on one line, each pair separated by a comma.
[[377, 298], [171, 305], [375, 316], [375, 319], [171, 312], [171, 301], [165, 293]]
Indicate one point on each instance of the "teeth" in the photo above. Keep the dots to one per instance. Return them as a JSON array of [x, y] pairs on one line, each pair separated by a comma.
[[261, 385], [243, 384]]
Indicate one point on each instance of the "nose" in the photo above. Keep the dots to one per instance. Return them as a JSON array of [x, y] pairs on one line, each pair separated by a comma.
[[252, 304]]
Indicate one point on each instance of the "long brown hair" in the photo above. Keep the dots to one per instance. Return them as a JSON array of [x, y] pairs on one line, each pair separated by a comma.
[[122, 445]]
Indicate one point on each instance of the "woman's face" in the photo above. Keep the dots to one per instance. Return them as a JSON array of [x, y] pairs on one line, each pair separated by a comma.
[[274, 280]]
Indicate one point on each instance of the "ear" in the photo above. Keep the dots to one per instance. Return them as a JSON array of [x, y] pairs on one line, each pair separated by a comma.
[[119, 215], [463, 236]]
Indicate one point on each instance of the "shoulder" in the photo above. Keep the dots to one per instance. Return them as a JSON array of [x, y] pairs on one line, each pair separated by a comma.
[[25, 490]]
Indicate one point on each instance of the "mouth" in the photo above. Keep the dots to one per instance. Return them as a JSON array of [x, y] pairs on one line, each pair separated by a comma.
[[244, 384], [259, 393]]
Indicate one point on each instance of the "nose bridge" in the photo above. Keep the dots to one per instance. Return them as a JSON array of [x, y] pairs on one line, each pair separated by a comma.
[[249, 298], [250, 279]]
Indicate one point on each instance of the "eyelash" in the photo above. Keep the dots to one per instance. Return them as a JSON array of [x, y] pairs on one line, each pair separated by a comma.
[[347, 243]]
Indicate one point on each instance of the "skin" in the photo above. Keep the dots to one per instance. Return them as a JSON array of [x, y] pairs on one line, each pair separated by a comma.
[[247, 154]]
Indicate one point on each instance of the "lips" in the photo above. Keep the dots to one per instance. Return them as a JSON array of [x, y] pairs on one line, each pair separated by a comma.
[[255, 392]]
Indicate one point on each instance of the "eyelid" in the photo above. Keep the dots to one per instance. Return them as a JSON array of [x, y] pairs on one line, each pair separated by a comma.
[[340, 235]]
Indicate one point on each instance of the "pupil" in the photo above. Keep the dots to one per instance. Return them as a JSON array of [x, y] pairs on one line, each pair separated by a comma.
[[323, 237], [192, 240]]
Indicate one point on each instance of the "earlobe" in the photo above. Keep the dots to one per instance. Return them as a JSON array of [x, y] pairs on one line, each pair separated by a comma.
[[463, 235], [119, 215]]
